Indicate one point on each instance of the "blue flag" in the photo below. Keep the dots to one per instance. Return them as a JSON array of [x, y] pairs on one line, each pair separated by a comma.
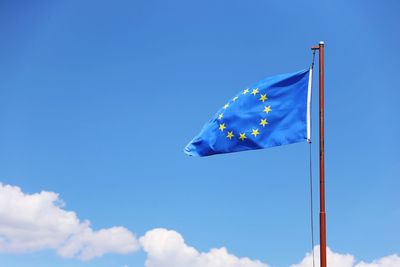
[[272, 112]]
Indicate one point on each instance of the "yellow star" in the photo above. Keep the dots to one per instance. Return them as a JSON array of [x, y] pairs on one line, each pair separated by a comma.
[[222, 127], [230, 135], [254, 92], [267, 109], [226, 106], [245, 91], [242, 136], [255, 132], [220, 116], [263, 122], [235, 98], [263, 97]]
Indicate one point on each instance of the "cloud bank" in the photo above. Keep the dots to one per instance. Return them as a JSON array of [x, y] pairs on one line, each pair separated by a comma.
[[347, 260], [34, 222], [167, 248], [333, 259]]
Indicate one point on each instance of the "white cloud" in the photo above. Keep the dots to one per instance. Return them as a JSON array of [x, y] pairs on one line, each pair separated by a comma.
[[333, 259], [388, 261], [347, 260], [167, 248], [32, 222]]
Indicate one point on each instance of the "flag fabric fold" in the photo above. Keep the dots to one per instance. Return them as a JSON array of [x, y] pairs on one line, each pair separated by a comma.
[[272, 112]]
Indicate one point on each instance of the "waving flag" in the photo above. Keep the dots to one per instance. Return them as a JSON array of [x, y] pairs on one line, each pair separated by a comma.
[[272, 112]]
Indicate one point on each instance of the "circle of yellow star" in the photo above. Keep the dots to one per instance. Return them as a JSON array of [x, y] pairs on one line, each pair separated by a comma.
[[242, 136], [255, 132], [263, 97], [230, 135], [220, 116], [267, 109], [245, 91], [263, 122], [222, 127], [254, 92]]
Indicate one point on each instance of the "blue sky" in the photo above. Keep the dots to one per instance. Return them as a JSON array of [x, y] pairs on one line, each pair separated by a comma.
[[99, 98]]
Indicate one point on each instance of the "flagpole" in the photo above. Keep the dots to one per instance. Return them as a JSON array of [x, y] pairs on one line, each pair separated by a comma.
[[322, 214]]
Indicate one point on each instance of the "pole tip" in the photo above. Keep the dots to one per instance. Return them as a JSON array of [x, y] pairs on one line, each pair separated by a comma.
[[321, 42]]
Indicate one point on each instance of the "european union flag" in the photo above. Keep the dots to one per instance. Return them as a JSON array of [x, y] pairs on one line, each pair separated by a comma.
[[272, 112]]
